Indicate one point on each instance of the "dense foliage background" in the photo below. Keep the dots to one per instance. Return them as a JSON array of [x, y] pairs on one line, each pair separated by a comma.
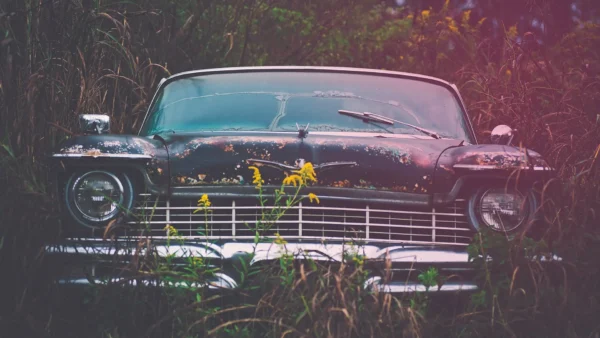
[[532, 64]]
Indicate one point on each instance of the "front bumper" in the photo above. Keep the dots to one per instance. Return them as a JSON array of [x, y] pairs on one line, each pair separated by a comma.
[[392, 268]]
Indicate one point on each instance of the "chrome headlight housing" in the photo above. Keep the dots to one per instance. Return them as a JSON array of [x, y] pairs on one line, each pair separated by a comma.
[[95, 197], [501, 209]]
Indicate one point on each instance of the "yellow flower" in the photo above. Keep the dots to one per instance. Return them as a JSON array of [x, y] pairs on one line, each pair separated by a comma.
[[425, 14], [452, 25], [256, 177], [197, 261], [307, 172], [312, 197], [279, 239], [512, 32], [204, 202], [171, 231], [466, 16], [359, 260], [294, 180]]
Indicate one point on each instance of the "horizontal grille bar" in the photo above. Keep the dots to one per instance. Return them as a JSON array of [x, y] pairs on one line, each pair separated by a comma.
[[332, 220]]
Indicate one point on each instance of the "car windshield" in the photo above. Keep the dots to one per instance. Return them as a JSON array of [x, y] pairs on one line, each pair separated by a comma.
[[279, 101]]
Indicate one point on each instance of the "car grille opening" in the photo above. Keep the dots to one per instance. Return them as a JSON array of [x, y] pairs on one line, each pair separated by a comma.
[[331, 220]]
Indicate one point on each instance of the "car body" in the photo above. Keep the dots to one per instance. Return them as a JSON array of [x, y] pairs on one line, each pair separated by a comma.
[[400, 174]]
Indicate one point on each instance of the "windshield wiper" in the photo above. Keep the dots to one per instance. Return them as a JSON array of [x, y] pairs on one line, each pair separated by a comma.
[[366, 116]]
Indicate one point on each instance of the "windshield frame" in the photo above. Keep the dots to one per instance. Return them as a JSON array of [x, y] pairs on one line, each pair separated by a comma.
[[357, 71]]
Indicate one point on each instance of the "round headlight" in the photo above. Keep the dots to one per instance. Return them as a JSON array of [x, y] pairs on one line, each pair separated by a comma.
[[503, 210], [95, 197], [98, 195]]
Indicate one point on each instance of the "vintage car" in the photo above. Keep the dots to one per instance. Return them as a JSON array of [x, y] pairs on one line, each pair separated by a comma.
[[401, 176]]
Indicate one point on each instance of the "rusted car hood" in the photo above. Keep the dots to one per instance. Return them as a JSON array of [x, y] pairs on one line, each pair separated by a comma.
[[403, 163]]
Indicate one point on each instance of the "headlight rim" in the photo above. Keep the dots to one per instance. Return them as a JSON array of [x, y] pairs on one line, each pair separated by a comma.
[[119, 186], [475, 217], [73, 210]]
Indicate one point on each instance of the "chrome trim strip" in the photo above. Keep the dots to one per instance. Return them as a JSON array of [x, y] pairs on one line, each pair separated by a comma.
[[432, 225], [300, 219], [488, 166], [407, 287], [136, 156], [309, 208], [392, 226], [321, 239], [233, 221], [307, 68], [403, 199], [264, 251], [396, 253], [226, 282], [222, 281], [368, 222]]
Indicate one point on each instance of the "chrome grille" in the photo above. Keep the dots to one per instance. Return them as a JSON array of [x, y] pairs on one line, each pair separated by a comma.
[[331, 220]]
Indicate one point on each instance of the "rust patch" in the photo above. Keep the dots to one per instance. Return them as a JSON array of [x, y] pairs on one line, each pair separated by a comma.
[[364, 184], [201, 180], [341, 184], [447, 169], [93, 152], [498, 159], [399, 188]]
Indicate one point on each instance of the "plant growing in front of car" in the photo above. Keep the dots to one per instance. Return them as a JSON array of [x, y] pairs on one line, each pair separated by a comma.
[[289, 284]]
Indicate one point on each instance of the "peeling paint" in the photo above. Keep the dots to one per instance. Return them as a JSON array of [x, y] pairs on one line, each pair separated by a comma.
[[96, 145], [383, 163], [460, 161]]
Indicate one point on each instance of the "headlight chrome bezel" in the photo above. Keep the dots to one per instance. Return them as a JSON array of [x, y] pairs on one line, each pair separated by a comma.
[[125, 191], [478, 222]]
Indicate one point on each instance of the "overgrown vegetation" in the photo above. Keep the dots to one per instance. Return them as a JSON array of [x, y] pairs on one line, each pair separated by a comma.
[[63, 58]]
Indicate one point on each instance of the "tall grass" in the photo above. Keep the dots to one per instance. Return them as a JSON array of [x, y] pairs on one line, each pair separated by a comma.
[[62, 58]]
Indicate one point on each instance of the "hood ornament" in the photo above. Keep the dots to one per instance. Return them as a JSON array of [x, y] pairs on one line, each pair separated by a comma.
[[302, 133], [299, 164]]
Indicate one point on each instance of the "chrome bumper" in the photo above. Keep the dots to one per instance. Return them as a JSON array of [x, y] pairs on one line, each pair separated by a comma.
[[406, 262]]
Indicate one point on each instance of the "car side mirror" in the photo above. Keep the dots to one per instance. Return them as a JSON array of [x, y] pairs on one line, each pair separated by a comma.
[[94, 123], [502, 134]]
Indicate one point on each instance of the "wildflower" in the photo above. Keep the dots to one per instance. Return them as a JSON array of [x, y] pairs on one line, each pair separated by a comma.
[[294, 180], [512, 32], [466, 16], [358, 260], [204, 202], [197, 261], [452, 26], [279, 239], [425, 14], [256, 177], [312, 197], [171, 231], [307, 172]]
